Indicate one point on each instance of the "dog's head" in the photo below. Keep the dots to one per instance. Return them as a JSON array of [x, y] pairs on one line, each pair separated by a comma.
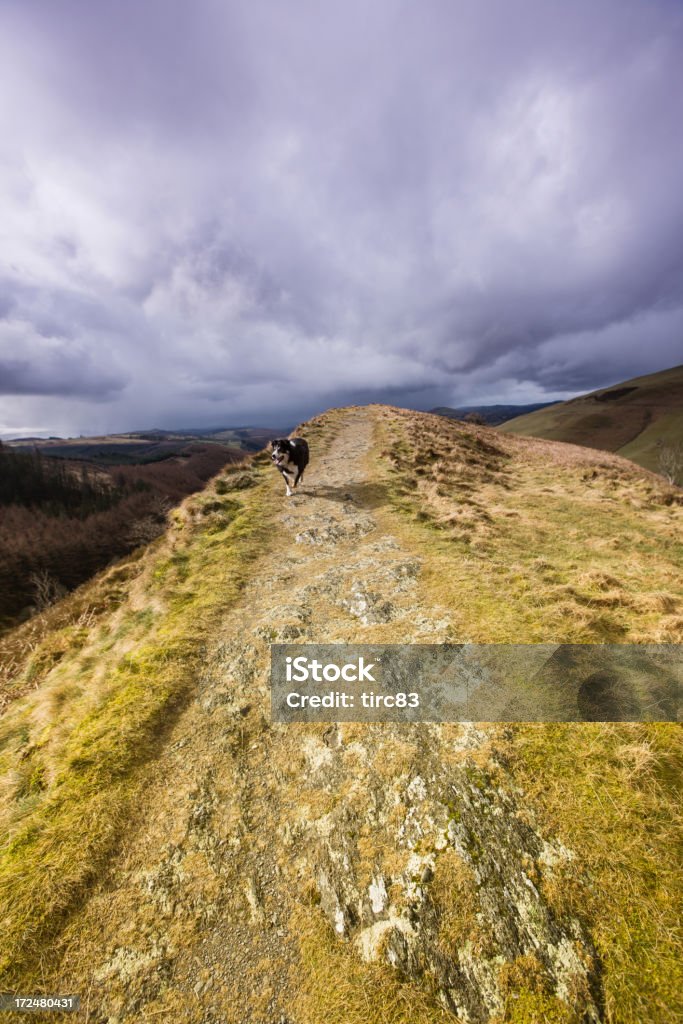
[[281, 449]]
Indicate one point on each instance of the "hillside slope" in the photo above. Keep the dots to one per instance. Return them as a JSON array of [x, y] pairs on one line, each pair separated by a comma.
[[62, 520], [633, 418], [170, 854]]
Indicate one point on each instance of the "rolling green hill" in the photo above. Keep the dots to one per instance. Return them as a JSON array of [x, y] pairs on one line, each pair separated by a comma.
[[635, 418]]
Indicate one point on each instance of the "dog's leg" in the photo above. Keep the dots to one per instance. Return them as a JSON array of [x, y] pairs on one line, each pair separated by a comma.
[[285, 477]]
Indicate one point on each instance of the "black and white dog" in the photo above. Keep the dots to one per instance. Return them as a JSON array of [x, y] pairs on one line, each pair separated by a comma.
[[291, 458]]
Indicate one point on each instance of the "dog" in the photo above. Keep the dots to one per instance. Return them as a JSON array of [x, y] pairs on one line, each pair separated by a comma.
[[291, 458]]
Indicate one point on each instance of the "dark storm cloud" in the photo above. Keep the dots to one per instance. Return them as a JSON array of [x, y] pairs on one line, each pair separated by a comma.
[[276, 207], [56, 377], [53, 369]]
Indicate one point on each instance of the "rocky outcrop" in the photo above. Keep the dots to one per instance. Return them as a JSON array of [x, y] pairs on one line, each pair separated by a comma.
[[440, 874]]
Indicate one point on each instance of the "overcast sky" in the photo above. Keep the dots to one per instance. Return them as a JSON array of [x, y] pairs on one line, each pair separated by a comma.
[[220, 212]]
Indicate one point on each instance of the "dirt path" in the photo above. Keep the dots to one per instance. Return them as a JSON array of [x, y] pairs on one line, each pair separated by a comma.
[[201, 917], [211, 803]]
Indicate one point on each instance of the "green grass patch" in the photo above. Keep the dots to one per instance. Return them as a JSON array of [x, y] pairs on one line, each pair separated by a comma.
[[611, 795], [72, 767]]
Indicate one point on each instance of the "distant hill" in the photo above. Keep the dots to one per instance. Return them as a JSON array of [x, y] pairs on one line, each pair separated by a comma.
[[140, 446], [493, 415], [635, 418]]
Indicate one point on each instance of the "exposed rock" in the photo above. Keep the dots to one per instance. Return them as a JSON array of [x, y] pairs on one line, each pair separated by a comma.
[[368, 605], [398, 918]]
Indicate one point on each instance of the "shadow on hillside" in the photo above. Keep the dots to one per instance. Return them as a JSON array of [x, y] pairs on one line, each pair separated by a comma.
[[365, 494]]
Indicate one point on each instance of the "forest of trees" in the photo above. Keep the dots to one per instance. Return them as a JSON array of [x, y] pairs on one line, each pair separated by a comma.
[[61, 520]]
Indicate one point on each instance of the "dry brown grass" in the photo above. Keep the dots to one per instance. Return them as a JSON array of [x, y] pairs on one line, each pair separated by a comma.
[[532, 540], [575, 546], [454, 892], [334, 985]]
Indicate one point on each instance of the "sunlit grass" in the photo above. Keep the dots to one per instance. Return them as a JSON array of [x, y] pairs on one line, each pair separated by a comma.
[[529, 541], [539, 543], [611, 793], [70, 751]]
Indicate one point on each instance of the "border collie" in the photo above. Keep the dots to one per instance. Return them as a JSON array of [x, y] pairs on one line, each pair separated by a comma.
[[291, 458]]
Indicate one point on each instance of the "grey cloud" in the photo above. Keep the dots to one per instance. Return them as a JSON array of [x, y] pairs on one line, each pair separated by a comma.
[[274, 206], [63, 376]]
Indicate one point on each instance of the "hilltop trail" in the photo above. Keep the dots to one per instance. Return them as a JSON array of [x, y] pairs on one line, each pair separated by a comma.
[[248, 830], [333, 557]]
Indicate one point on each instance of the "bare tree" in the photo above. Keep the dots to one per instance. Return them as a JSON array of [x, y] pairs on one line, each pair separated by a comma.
[[671, 462], [46, 589]]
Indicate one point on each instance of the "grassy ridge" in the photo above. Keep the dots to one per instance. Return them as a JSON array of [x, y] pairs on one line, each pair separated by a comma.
[[520, 540], [71, 751]]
